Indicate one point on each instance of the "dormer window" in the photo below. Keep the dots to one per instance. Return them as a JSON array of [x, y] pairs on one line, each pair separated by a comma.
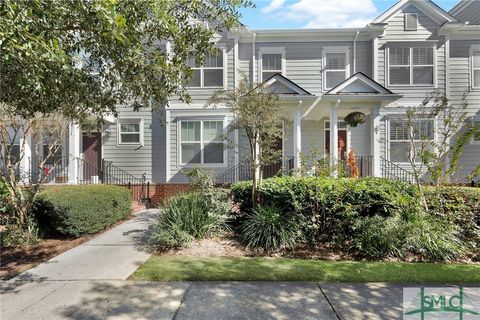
[[411, 21]]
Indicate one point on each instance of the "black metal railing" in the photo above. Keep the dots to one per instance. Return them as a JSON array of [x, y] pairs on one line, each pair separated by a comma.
[[243, 171], [51, 170], [393, 171], [364, 165], [111, 174]]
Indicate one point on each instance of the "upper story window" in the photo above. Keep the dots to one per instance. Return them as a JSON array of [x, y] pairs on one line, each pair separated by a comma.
[[475, 66], [336, 67], [411, 21], [208, 75], [272, 61], [410, 66], [130, 132], [201, 142], [400, 132], [476, 124]]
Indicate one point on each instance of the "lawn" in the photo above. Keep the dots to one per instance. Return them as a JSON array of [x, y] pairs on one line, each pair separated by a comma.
[[167, 268]]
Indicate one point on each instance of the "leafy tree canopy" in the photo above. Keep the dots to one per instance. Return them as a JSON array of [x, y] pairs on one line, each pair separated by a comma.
[[79, 57]]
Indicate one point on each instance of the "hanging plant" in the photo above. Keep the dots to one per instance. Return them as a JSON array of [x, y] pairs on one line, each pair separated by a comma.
[[354, 118]]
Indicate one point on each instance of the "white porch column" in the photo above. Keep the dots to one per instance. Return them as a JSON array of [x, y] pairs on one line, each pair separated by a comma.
[[26, 162], [334, 137], [375, 142], [74, 136], [297, 136]]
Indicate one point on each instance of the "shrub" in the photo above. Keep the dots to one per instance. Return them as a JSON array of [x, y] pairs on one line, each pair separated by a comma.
[[74, 211], [188, 216], [270, 228]]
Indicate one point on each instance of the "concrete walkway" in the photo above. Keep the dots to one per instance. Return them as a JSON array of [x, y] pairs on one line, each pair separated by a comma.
[[88, 282]]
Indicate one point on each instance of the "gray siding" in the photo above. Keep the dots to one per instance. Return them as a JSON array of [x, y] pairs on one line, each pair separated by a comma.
[[395, 32], [470, 13], [135, 159]]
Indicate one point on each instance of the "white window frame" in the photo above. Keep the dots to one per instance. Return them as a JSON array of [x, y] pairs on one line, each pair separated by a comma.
[[411, 66], [405, 21], [130, 121], [475, 119], [344, 50], [271, 50], [389, 139], [473, 49], [201, 142], [223, 52]]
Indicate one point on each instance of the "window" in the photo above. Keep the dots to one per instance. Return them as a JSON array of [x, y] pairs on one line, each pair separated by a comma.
[[400, 133], [14, 153], [336, 67], [475, 68], [55, 152], [271, 64], [201, 142], [130, 132], [411, 66], [411, 21], [476, 124], [210, 74]]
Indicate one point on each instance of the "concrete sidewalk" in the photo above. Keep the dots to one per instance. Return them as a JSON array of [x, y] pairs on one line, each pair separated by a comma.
[[117, 299]]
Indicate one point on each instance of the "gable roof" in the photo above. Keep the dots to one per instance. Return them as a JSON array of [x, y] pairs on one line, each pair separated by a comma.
[[282, 85], [427, 6], [359, 84], [467, 10]]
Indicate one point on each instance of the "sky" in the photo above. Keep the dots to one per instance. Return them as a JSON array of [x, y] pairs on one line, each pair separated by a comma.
[[292, 14]]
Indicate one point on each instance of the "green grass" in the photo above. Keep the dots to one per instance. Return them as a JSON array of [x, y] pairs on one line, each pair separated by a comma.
[[161, 268]]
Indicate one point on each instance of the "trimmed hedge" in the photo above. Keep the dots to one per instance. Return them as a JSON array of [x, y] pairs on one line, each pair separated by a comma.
[[374, 217], [74, 211]]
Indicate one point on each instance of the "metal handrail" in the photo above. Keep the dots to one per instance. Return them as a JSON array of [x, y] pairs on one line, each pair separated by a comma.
[[391, 170]]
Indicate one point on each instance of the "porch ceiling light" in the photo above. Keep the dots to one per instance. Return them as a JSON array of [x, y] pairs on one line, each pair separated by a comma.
[[354, 118]]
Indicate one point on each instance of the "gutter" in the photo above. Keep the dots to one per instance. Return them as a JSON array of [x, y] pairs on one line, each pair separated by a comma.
[[355, 51], [254, 62]]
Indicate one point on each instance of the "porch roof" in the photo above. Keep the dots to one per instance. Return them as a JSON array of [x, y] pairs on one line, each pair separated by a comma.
[[284, 86]]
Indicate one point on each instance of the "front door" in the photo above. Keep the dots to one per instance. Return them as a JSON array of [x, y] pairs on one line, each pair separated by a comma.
[[274, 168], [342, 143], [92, 154]]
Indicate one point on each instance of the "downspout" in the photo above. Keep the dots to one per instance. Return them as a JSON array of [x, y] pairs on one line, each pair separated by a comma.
[[254, 62], [355, 51]]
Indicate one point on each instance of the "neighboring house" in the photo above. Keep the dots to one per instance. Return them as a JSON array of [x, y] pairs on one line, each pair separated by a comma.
[[322, 75]]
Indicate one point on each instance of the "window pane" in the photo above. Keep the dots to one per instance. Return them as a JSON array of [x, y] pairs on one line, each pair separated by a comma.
[[213, 77], [192, 63], [476, 59], [399, 75], [398, 130], [15, 153], [423, 75], [334, 78], [399, 151], [195, 79], [55, 156], [423, 130], [399, 56], [212, 130], [191, 153], [272, 62], [422, 56], [476, 78], [214, 61], [335, 61], [130, 137], [129, 127], [190, 131], [268, 75], [213, 153], [410, 21]]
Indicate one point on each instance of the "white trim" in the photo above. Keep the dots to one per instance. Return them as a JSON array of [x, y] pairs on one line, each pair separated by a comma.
[[202, 76], [288, 83], [236, 70], [347, 130], [447, 66], [222, 164], [270, 50], [405, 21], [375, 58], [430, 10], [167, 149], [334, 49], [360, 77], [411, 66], [473, 48], [138, 121]]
